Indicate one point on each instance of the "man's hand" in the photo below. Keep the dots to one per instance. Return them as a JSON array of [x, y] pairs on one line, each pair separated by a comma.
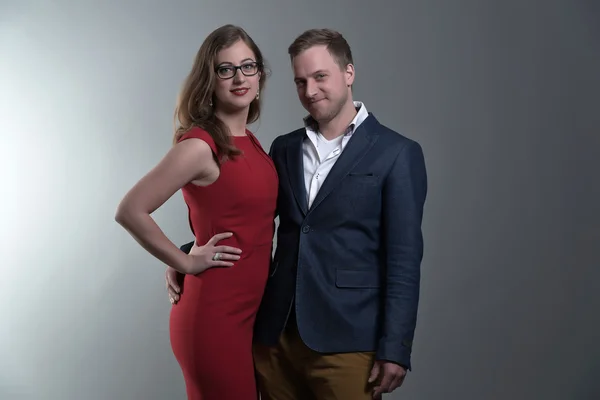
[[173, 287], [391, 376]]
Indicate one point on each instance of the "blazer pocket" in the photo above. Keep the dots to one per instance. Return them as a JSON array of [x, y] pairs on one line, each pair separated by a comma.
[[362, 179], [357, 278], [361, 174]]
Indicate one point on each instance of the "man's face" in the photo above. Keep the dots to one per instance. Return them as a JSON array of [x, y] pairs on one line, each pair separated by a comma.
[[323, 87]]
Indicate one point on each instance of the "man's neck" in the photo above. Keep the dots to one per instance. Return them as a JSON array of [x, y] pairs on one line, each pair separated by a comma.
[[337, 126], [236, 122]]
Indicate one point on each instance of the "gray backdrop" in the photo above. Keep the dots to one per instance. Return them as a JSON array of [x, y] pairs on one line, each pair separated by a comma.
[[503, 96]]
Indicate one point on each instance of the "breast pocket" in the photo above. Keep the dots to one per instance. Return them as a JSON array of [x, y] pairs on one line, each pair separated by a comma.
[[364, 179], [359, 191], [359, 184]]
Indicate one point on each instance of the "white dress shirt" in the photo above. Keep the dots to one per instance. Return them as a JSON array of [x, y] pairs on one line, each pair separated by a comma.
[[320, 154]]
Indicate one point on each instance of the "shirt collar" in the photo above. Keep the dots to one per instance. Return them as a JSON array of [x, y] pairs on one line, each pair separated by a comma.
[[312, 126]]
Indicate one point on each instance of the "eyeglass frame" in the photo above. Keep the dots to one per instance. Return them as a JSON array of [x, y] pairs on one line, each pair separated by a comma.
[[236, 67]]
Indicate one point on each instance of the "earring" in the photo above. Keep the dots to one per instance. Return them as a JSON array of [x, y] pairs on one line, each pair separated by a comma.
[[257, 95], [210, 104]]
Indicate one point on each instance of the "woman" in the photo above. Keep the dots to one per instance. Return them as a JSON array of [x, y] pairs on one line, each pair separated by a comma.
[[229, 185]]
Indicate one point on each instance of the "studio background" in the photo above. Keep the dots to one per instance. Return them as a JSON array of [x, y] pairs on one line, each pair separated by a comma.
[[502, 95]]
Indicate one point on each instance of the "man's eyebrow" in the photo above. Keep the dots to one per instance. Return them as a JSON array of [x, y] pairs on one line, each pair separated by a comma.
[[320, 71]]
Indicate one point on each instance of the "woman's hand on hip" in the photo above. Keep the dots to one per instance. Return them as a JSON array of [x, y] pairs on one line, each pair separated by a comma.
[[201, 258]]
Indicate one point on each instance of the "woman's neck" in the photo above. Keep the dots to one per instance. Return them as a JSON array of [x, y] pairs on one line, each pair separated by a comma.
[[236, 122]]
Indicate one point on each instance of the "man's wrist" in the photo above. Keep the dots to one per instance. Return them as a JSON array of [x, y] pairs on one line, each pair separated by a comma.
[[399, 355]]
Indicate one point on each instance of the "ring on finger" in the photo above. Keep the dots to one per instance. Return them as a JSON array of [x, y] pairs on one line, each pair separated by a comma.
[[217, 257]]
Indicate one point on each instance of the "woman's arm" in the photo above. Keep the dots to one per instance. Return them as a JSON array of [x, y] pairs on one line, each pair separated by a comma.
[[189, 160]]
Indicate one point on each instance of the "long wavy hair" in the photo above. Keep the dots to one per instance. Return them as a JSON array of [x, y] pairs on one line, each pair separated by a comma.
[[194, 106]]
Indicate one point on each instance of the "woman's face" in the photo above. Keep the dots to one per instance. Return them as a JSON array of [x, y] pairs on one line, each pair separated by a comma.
[[238, 77]]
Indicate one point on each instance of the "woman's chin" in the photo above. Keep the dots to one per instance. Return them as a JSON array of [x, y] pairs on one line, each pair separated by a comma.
[[236, 105]]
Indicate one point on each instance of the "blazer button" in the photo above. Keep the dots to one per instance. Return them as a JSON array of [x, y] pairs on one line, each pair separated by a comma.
[[305, 229]]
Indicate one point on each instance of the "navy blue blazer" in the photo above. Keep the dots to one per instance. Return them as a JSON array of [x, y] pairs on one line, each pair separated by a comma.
[[351, 262]]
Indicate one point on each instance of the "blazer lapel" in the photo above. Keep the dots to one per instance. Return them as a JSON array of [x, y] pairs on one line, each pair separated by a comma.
[[295, 168], [359, 144]]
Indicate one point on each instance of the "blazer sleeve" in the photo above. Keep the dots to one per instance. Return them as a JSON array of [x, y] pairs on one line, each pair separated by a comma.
[[404, 193]]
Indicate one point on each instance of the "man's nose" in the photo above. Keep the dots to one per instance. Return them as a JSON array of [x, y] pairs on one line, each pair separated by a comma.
[[310, 90]]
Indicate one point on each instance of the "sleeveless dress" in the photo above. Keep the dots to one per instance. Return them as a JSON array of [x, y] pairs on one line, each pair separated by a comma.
[[212, 324]]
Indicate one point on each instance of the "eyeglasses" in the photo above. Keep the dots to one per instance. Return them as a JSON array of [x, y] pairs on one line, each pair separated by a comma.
[[229, 71]]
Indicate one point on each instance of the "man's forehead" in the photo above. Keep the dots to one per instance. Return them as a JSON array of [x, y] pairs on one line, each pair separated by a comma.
[[313, 54], [308, 64]]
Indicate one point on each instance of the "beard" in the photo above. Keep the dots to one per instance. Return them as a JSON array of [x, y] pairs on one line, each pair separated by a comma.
[[326, 114]]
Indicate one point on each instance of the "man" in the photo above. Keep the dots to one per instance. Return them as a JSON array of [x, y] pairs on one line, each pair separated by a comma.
[[338, 316]]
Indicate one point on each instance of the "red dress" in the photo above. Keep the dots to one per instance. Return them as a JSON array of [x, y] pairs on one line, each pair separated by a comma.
[[211, 325]]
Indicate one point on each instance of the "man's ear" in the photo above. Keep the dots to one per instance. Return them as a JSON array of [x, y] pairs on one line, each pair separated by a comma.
[[350, 73]]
